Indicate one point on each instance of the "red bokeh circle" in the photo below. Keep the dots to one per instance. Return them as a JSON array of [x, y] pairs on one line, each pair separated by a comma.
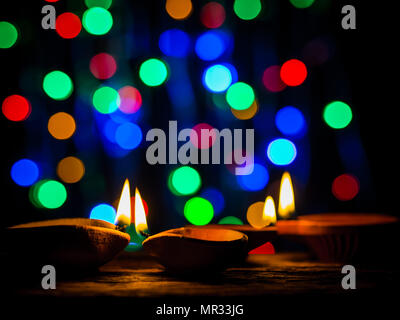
[[272, 80], [103, 66], [131, 99], [195, 136], [212, 15], [293, 72], [345, 187], [68, 25], [16, 108]]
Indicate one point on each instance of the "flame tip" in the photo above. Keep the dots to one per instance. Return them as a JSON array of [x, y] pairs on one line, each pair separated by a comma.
[[140, 215], [286, 205], [269, 209], [124, 206]]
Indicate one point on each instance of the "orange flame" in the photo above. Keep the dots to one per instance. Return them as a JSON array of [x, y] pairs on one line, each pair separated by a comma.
[[140, 214], [123, 218], [269, 210], [286, 197]]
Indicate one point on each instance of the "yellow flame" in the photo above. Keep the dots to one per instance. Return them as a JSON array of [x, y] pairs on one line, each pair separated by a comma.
[[286, 197], [123, 217], [140, 214], [269, 210]]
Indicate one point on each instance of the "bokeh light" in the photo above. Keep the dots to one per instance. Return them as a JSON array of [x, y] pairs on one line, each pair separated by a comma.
[[179, 9], [290, 121], [281, 152], [196, 139], [8, 35], [257, 180], [212, 15], [210, 45], [293, 72], [233, 71], [131, 99], [24, 172], [184, 181], [337, 114], [128, 136], [318, 51], [58, 85], [345, 187], [215, 197], [246, 114], [198, 211], [301, 4], [61, 125], [238, 158], [109, 129], [153, 72], [70, 169], [97, 21], [240, 96], [174, 43], [247, 9], [217, 78], [121, 117], [103, 66], [106, 4], [272, 80], [68, 25], [230, 220], [103, 212], [256, 217], [16, 108], [51, 194], [106, 100]]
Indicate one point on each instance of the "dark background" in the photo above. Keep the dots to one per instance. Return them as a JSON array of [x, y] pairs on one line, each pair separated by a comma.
[[366, 78]]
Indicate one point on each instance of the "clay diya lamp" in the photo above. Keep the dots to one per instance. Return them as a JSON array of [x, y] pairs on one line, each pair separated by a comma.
[[344, 237], [189, 250], [70, 244], [65, 243]]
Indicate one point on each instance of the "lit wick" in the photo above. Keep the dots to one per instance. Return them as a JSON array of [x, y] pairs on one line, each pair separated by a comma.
[[144, 234], [140, 216], [123, 218], [286, 197]]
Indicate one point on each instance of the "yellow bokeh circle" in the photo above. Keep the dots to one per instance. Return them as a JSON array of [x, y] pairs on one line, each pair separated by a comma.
[[256, 217], [246, 114], [61, 125], [179, 9], [70, 169]]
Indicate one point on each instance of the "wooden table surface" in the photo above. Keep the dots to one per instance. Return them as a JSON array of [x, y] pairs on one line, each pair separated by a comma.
[[136, 275], [138, 280]]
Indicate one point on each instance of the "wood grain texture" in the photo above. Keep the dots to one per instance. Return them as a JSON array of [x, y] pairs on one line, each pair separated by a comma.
[[137, 275]]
